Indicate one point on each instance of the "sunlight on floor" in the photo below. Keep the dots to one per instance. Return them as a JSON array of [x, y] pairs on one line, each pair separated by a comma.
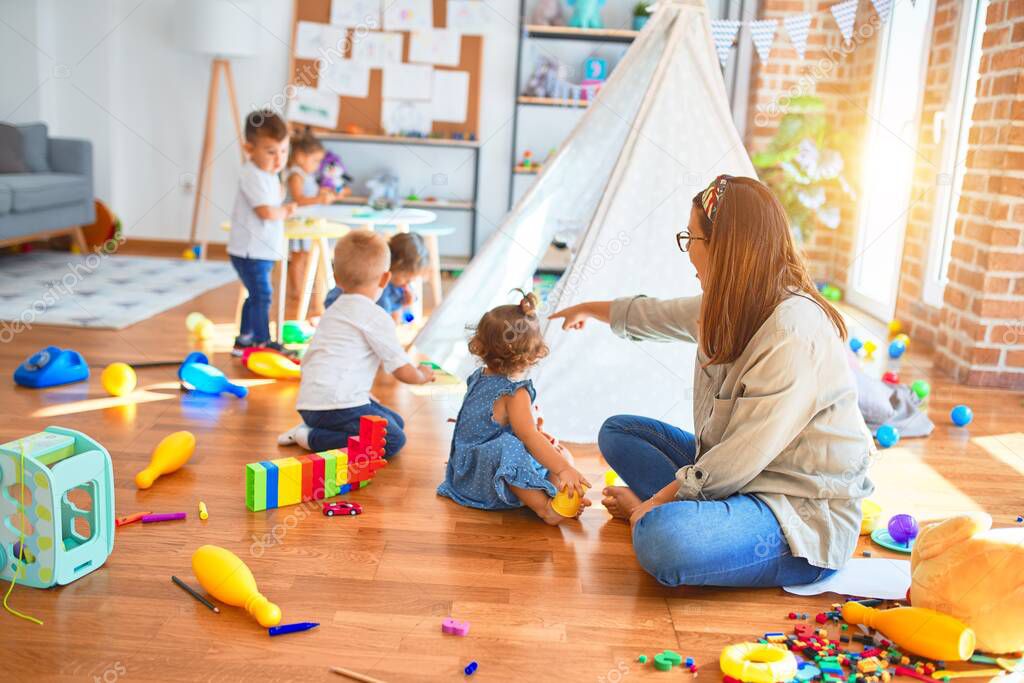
[[1006, 448], [905, 483], [144, 395]]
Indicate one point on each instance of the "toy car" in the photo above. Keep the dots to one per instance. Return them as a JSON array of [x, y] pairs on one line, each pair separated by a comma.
[[342, 507]]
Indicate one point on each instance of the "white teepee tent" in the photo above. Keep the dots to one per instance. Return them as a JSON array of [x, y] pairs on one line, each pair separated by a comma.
[[657, 133]]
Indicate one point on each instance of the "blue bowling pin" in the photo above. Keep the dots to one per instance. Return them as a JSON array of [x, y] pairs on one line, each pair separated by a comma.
[[197, 372]]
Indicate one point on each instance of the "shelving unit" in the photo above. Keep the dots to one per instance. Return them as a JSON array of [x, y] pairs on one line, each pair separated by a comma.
[[599, 38], [466, 205]]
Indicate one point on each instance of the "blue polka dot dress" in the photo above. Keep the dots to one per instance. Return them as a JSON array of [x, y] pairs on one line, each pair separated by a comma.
[[487, 458]]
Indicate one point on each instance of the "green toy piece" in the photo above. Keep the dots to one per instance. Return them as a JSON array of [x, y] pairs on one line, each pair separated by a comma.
[[642, 659], [665, 660]]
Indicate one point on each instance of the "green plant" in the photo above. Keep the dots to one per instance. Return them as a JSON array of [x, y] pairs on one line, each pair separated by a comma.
[[640, 9], [803, 167]]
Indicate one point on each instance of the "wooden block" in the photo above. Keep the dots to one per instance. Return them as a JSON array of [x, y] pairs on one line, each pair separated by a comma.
[[330, 473], [319, 471], [307, 476], [255, 487], [289, 483]]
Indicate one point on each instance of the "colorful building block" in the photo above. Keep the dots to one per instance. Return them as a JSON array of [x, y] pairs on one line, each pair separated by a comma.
[[454, 628], [314, 476]]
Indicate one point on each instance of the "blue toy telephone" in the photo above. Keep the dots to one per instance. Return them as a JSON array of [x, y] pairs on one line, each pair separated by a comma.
[[51, 366]]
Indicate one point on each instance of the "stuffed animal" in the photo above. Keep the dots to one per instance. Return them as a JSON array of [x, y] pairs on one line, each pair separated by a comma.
[[332, 173], [548, 13], [548, 79], [587, 14], [966, 569]]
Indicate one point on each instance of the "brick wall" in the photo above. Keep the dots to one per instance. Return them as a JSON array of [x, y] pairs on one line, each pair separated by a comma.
[[978, 333], [981, 328], [838, 73]]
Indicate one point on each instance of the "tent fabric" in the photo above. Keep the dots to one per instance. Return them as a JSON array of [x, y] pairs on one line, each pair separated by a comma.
[[658, 132]]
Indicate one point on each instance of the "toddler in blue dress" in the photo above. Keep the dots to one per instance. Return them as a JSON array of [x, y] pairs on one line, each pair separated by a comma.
[[500, 458]]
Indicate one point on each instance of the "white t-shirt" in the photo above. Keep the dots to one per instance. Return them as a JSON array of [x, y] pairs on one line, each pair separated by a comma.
[[251, 236], [355, 337]]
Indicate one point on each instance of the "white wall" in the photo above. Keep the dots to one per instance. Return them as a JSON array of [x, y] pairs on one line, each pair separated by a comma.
[[111, 71]]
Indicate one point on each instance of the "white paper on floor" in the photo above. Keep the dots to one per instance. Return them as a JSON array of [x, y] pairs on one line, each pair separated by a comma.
[[864, 578]]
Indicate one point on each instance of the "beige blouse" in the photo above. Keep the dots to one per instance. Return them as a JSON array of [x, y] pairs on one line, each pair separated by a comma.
[[780, 422]]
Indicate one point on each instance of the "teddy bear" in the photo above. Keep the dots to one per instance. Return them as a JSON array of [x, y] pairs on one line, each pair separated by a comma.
[[548, 13], [964, 568]]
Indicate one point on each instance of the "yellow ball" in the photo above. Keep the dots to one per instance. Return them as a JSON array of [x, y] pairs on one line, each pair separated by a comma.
[[118, 379], [188, 255]]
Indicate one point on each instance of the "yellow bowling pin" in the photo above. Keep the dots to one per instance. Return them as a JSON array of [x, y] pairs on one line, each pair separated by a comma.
[[923, 631], [172, 452], [224, 576], [273, 365]]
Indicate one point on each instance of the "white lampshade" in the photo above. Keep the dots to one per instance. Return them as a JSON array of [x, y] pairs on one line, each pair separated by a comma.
[[222, 28]]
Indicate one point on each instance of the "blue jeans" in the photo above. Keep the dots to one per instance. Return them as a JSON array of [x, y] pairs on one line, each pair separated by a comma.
[[255, 276], [732, 542], [331, 428]]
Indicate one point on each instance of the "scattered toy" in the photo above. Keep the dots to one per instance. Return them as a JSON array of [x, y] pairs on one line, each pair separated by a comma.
[[291, 628], [342, 507], [903, 528], [163, 517], [887, 436], [471, 668], [454, 628], [891, 377], [224, 576], [118, 379], [195, 594], [203, 512], [173, 451], [921, 389], [896, 348], [855, 344], [961, 415], [51, 366]]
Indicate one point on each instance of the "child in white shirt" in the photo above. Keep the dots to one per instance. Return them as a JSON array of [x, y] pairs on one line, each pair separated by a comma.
[[354, 338], [257, 238]]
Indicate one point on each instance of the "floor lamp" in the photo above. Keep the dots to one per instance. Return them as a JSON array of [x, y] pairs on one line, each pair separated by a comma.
[[221, 30]]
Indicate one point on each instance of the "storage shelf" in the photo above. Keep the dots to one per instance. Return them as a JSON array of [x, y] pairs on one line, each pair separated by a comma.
[[551, 102], [399, 140], [607, 35], [440, 204]]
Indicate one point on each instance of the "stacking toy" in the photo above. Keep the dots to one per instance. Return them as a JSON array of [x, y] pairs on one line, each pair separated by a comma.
[[924, 632], [51, 366], [757, 663], [171, 453], [199, 325], [887, 436], [118, 379], [566, 504], [273, 365], [224, 576], [197, 372], [903, 529], [961, 415]]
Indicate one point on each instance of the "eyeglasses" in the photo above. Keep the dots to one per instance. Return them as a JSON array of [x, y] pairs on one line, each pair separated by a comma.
[[683, 240]]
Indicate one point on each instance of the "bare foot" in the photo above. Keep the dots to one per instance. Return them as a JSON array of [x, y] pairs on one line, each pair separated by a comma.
[[551, 517], [620, 501]]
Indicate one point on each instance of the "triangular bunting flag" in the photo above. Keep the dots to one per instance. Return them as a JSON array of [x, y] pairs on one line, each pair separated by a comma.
[[884, 9], [763, 35], [723, 32], [797, 27], [845, 14]]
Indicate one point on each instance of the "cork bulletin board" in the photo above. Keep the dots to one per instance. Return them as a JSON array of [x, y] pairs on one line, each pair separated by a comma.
[[365, 112]]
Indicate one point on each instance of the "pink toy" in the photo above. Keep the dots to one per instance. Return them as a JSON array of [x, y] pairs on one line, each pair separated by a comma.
[[163, 517], [455, 628]]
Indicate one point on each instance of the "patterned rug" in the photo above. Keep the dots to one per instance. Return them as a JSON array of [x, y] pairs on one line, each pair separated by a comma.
[[53, 288]]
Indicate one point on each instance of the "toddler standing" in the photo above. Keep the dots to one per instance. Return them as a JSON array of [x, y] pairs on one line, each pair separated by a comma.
[[500, 458], [354, 338], [257, 238]]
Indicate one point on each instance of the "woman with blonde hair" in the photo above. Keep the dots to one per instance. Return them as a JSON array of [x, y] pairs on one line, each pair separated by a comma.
[[768, 490]]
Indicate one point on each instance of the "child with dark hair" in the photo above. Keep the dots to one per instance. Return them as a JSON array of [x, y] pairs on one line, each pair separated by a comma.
[[500, 459], [307, 152], [257, 238], [409, 258]]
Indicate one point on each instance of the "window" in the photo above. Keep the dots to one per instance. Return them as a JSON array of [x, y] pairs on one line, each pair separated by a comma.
[[951, 128]]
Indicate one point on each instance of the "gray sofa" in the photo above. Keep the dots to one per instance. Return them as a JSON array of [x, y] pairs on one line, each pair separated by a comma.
[[54, 193]]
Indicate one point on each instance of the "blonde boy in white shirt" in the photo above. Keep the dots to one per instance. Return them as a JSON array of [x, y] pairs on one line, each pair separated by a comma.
[[354, 338]]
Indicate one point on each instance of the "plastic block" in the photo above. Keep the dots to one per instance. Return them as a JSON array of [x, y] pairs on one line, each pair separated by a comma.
[[454, 628], [272, 483], [255, 487], [344, 489], [319, 469], [307, 476], [289, 483], [330, 473]]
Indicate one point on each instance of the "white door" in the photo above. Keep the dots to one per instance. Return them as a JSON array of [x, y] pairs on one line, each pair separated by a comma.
[[890, 155]]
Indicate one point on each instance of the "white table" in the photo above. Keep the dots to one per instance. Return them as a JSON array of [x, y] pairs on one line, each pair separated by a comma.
[[402, 220]]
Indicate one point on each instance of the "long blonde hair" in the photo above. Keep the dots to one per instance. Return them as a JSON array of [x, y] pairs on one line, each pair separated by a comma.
[[754, 265]]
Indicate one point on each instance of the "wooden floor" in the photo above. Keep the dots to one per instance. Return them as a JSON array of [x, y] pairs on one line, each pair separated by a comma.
[[545, 604]]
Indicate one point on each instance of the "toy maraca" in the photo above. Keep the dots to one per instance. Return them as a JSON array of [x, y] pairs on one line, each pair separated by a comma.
[[224, 576], [923, 631], [197, 372], [171, 453]]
